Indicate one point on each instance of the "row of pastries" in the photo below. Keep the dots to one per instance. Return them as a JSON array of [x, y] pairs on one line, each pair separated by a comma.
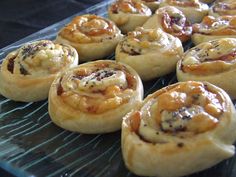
[[178, 130]]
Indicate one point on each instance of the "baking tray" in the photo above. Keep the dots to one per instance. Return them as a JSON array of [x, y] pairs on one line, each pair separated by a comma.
[[31, 145]]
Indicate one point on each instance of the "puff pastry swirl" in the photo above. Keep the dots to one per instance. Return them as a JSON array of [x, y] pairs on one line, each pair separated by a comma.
[[128, 14], [213, 61], [88, 32], [194, 10], [172, 21], [179, 130], [213, 28], [27, 73], [94, 96], [151, 52], [220, 8]]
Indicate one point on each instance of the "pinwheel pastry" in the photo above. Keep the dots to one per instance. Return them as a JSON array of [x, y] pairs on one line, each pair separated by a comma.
[[151, 52], [220, 8], [94, 96], [179, 130], [152, 4], [172, 21], [128, 14], [213, 28], [92, 36], [213, 61], [27, 73], [194, 10]]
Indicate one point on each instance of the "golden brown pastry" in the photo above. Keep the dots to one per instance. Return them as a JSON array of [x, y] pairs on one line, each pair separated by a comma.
[[94, 96], [207, 1], [172, 21], [179, 130], [220, 8], [194, 10], [152, 4], [128, 14], [151, 52], [27, 73], [92, 36], [214, 28], [213, 61]]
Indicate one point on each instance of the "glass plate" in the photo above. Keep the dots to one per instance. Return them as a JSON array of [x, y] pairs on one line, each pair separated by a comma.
[[31, 145]]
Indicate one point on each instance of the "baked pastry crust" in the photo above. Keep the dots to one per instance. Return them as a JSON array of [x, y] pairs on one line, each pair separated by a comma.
[[27, 73], [214, 28], [213, 61], [151, 52], [220, 8], [128, 14], [172, 21], [152, 4], [88, 32], [94, 96], [194, 10], [188, 123], [207, 1]]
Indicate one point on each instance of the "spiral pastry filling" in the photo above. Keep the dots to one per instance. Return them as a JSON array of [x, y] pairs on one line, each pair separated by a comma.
[[211, 57], [89, 28], [179, 112], [174, 22], [130, 6], [143, 41], [184, 3], [96, 88], [224, 8], [40, 58], [223, 25]]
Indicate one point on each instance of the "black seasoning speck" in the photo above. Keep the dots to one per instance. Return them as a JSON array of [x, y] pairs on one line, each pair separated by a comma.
[[145, 125], [23, 70], [59, 88], [10, 65], [157, 133], [186, 117], [180, 145]]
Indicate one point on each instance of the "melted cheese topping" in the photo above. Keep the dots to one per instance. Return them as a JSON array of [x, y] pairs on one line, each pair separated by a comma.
[[97, 88], [90, 28], [41, 58], [183, 111], [184, 3], [224, 8], [144, 41], [210, 57], [175, 23], [130, 6], [223, 25]]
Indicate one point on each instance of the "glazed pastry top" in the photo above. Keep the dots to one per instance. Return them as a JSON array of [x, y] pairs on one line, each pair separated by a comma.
[[178, 112], [174, 22], [129, 6], [224, 8], [96, 88], [143, 41], [184, 3], [89, 28], [223, 25], [40, 58], [210, 57]]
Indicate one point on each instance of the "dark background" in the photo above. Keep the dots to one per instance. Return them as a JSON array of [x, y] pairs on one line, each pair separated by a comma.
[[20, 18]]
